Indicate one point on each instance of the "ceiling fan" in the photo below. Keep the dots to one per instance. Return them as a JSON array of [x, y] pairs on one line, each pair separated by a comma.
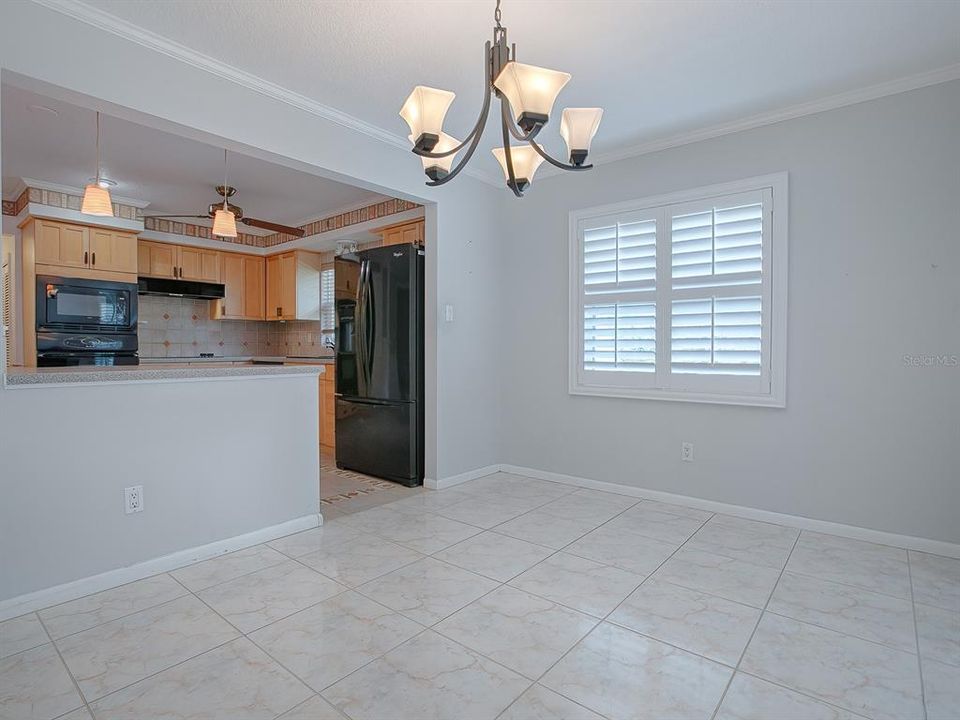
[[226, 192]]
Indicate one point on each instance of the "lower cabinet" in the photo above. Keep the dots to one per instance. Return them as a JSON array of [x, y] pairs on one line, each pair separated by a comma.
[[327, 409]]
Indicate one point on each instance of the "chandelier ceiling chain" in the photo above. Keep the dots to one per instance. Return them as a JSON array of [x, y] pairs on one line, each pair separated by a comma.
[[527, 94]]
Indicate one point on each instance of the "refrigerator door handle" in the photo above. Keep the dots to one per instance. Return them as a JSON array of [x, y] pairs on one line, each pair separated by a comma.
[[369, 323], [361, 334]]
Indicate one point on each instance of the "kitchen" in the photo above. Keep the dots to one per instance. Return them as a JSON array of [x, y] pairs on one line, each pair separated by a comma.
[[172, 299]]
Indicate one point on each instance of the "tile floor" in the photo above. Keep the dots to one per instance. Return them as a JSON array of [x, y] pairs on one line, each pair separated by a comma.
[[508, 598]]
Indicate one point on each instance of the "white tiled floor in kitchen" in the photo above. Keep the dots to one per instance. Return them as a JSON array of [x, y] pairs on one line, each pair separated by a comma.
[[515, 598]]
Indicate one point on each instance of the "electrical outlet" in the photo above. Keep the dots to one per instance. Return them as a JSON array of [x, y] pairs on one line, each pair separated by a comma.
[[133, 499], [686, 451]]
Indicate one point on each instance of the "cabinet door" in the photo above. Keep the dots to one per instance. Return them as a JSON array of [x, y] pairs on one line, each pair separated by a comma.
[[412, 234], [394, 236], [273, 288], [233, 289], [61, 244], [199, 264], [288, 286], [157, 259], [114, 251], [253, 295]]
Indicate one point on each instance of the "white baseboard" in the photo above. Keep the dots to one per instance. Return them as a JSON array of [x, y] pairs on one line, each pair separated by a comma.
[[936, 547], [432, 484], [114, 578]]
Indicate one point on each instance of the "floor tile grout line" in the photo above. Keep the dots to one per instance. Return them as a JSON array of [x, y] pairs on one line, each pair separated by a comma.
[[804, 693], [604, 618], [916, 635], [888, 646], [73, 679], [125, 615], [763, 611]]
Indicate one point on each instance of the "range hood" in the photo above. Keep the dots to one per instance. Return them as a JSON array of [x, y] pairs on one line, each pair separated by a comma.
[[179, 288]]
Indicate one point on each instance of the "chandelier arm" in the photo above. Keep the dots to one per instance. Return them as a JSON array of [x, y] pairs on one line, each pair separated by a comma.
[[466, 158], [481, 121], [508, 158], [508, 121], [563, 166]]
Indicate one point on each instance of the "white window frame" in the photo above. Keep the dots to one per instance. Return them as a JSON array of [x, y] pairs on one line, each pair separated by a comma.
[[767, 391]]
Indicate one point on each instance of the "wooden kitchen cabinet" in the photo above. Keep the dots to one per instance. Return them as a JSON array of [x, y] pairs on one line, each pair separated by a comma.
[[112, 250], [402, 234], [61, 244], [327, 408], [242, 277], [293, 286], [156, 259], [199, 264], [65, 247]]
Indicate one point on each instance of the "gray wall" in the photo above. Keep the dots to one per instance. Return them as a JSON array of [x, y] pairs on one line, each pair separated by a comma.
[[874, 261]]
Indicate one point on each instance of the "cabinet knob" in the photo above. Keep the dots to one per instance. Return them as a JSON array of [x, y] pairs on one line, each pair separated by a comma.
[[93, 257], [86, 257]]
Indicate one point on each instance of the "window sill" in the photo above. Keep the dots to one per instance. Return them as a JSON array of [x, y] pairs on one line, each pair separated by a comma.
[[771, 401]]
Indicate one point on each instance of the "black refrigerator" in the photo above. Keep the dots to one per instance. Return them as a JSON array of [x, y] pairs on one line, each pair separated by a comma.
[[379, 362]]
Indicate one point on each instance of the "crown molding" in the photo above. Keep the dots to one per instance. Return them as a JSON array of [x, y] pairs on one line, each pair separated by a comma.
[[128, 31], [110, 23], [832, 102]]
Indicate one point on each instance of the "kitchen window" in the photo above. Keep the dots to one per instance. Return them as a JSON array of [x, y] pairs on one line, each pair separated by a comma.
[[682, 296]]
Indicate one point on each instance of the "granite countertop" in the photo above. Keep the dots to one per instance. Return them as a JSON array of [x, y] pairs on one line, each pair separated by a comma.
[[151, 372], [264, 359]]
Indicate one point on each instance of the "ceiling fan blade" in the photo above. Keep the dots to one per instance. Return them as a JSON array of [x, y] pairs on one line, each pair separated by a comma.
[[177, 216], [276, 227]]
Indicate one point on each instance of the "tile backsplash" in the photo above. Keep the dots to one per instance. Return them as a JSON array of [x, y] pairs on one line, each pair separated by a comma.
[[181, 327]]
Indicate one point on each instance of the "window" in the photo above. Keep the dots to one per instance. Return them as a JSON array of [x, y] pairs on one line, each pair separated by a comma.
[[328, 317], [682, 296]]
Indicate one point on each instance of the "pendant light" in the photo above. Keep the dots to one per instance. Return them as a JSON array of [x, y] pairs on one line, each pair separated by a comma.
[[526, 93], [224, 222], [96, 198]]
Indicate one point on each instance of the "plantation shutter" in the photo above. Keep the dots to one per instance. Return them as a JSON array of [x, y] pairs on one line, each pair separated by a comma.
[[618, 280], [717, 289], [328, 317]]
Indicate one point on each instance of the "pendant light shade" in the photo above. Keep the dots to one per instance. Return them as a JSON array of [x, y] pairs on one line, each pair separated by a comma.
[[424, 111], [531, 91], [437, 168], [224, 223], [526, 160], [96, 201], [577, 128], [96, 198]]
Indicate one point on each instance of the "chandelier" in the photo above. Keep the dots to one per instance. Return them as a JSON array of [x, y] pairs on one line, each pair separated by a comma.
[[526, 93]]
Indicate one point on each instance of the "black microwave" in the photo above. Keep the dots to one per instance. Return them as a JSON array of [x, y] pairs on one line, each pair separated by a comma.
[[67, 304]]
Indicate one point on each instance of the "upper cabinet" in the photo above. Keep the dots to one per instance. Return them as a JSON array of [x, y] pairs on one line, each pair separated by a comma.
[[156, 259], [65, 246], [112, 250], [402, 234], [293, 286], [243, 284]]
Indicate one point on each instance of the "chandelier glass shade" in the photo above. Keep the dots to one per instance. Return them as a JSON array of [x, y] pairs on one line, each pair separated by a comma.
[[525, 164], [437, 168], [96, 198], [527, 94]]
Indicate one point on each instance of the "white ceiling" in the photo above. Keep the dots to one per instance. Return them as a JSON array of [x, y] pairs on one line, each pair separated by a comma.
[[173, 173], [658, 68]]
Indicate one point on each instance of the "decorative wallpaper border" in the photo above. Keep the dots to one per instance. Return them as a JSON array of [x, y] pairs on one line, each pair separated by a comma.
[[199, 231], [52, 198]]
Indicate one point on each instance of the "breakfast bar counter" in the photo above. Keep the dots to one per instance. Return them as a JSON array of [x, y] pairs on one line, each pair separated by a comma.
[[152, 372]]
